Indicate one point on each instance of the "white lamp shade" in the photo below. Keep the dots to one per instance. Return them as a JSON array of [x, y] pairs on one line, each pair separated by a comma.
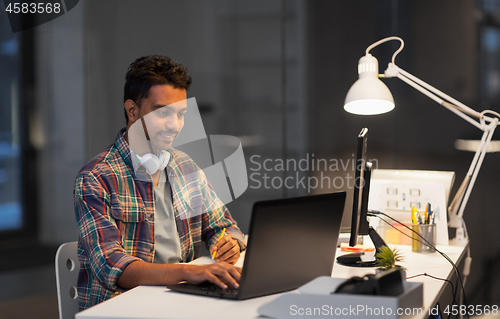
[[369, 96]]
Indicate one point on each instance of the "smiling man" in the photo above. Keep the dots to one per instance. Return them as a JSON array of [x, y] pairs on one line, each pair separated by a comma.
[[144, 207]]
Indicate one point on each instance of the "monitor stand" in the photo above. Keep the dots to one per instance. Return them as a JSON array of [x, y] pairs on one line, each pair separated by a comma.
[[358, 259]]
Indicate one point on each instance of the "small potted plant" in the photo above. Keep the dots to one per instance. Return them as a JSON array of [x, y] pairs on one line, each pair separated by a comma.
[[386, 258]]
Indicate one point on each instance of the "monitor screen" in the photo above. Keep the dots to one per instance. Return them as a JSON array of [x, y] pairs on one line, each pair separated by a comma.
[[359, 222]]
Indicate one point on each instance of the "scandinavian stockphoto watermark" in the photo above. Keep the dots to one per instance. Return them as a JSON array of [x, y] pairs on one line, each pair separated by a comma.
[[307, 173], [381, 311]]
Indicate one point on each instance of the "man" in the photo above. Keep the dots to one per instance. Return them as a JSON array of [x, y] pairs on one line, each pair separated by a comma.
[[139, 225]]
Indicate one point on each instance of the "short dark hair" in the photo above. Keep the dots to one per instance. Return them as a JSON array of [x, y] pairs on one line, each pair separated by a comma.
[[152, 70]]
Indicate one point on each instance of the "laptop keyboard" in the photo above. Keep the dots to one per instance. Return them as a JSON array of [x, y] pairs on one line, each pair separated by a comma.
[[214, 290]]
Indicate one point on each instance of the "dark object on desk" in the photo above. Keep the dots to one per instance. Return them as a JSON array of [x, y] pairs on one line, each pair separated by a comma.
[[209, 289], [385, 283], [359, 222], [355, 260], [291, 241]]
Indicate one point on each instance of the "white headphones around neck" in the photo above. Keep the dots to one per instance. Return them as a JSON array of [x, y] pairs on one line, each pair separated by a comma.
[[152, 163]]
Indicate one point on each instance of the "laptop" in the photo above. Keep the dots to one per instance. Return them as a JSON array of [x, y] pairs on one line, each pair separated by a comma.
[[291, 241]]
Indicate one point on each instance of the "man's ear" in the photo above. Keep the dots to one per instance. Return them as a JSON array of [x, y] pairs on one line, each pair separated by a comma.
[[132, 110]]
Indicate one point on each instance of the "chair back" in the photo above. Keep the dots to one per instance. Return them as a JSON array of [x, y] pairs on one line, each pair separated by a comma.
[[67, 268]]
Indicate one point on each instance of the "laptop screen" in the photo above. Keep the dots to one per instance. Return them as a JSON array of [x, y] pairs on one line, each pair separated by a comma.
[[291, 242]]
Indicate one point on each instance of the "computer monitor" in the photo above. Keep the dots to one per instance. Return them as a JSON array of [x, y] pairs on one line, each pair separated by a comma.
[[359, 220]]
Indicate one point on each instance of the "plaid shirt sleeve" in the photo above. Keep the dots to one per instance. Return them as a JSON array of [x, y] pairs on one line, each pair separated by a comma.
[[216, 216], [99, 234]]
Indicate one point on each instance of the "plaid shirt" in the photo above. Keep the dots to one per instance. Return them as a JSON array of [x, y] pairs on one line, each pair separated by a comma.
[[115, 214]]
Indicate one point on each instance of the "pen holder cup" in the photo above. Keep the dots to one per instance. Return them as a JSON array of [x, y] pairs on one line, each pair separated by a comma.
[[428, 232]]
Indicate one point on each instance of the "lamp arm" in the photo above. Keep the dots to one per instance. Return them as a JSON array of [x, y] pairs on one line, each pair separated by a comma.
[[464, 190], [474, 168], [447, 105], [439, 97], [401, 46], [457, 207], [464, 108]]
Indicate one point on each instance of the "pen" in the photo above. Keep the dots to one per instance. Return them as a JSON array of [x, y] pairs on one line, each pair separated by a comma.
[[430, 217], [429, 213], [419, 218], [220, 237], [414, 215], [436, 211], [426, 221]]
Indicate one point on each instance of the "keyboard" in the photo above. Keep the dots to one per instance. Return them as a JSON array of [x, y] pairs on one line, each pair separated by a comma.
[[214, 290]]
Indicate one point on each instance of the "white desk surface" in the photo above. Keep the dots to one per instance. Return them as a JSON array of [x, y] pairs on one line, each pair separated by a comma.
[[150, 302]]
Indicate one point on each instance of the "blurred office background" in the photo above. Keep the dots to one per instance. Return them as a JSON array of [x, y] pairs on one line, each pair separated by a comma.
[[274, 73]]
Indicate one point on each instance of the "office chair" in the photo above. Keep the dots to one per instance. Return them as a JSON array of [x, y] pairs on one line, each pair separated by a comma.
[[67, 268]]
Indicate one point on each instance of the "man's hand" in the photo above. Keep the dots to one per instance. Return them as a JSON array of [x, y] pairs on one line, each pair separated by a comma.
[[221, 274], [228, 250], [143, 273]]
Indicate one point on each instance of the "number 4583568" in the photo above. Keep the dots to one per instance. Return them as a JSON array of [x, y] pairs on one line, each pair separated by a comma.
[[33, 8], [471, 310]]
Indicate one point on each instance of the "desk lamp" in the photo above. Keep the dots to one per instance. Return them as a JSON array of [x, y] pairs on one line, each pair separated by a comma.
[[370, 96]]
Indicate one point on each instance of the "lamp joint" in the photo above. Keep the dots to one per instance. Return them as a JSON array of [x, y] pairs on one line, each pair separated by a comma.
[[391, 71]]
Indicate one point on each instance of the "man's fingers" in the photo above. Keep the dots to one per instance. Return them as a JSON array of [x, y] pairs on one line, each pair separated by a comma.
[[236, 273], [228, 274], [220, 243], [227, 255], [233, 260], [212, 249], [232, 277], [225, 247], [222, 246], [221, 274], [215, 280], [226, 238], [231, 246]]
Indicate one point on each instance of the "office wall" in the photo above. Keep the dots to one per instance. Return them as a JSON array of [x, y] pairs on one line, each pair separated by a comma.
[[57, 126], [118, 32]]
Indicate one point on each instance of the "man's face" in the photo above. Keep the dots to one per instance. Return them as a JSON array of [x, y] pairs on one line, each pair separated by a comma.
[[163, 113]]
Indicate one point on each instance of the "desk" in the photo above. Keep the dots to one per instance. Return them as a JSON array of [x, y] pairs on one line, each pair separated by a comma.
[[159, 302]]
